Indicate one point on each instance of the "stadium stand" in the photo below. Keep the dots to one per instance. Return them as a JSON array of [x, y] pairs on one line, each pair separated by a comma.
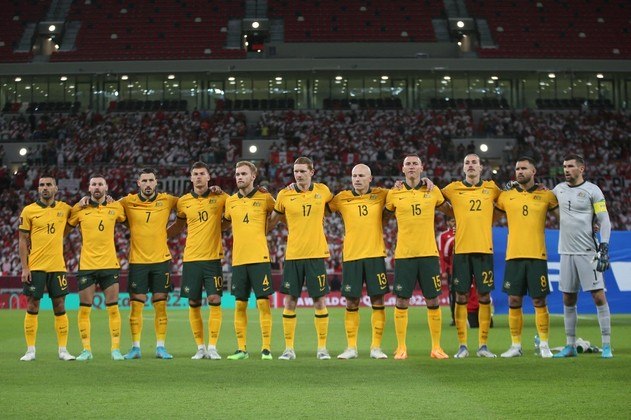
[[197, 29], [152, 30], [556, 29], [16, 15], [357, 20]]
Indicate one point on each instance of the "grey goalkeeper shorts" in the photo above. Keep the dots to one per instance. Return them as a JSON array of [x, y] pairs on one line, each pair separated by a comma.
[[579, 272]]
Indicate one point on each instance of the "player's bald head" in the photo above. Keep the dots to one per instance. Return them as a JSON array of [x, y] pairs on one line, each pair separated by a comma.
[[361, 169], [361, 178]]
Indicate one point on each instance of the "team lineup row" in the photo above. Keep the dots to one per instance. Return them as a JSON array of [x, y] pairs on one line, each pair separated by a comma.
[[251, 213]]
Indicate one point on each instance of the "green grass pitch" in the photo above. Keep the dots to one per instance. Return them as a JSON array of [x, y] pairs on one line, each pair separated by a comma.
[[526, 387]]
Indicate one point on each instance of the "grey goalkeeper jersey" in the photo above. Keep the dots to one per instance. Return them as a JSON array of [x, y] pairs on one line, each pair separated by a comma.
[[576, 205]]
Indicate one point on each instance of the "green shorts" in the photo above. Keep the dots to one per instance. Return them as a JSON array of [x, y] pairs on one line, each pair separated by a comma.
[[256, 276], [102, 278], [409, 271], [526, 276], [470, 266], [372, 271], [145, 278], [198, 275], [310, 271], [55, 283]]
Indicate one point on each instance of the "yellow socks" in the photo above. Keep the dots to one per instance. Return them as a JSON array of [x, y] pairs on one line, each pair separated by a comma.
[[484, 318], [351, 324], [322, 326], [241, 323], [61, 327], [114, 325], [160, 320], [515, 324], [265, 319], [289, 327], [542, 320], [434, 321], [114, 317], [135, 321], [30, 328], [461, 323], [197, 325], [214, 323], [401, 326], [84, 325], [378, 321]]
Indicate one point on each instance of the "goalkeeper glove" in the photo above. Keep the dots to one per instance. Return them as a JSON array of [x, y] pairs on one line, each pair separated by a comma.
[[602, 257], [510, 185]]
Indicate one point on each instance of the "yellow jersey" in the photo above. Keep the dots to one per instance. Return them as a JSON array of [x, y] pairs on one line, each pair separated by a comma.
[[203, 217], [526, 215], [249, 226], [46, 225], [363, 227], [415, 210], [473, 208], [304, 211], [148, 219], [97, 222]]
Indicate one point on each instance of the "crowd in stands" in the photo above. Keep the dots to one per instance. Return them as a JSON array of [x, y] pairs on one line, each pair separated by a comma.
[[75, 146]]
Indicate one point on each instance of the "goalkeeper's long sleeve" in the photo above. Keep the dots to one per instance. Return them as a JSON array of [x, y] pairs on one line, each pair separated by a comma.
[[605, 226]]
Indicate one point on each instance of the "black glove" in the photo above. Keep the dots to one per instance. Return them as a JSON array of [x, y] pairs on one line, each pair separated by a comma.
[[602, 257], [510, 185]]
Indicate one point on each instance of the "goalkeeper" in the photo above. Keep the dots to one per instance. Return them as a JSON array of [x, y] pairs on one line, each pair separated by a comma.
[[583, 259]]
